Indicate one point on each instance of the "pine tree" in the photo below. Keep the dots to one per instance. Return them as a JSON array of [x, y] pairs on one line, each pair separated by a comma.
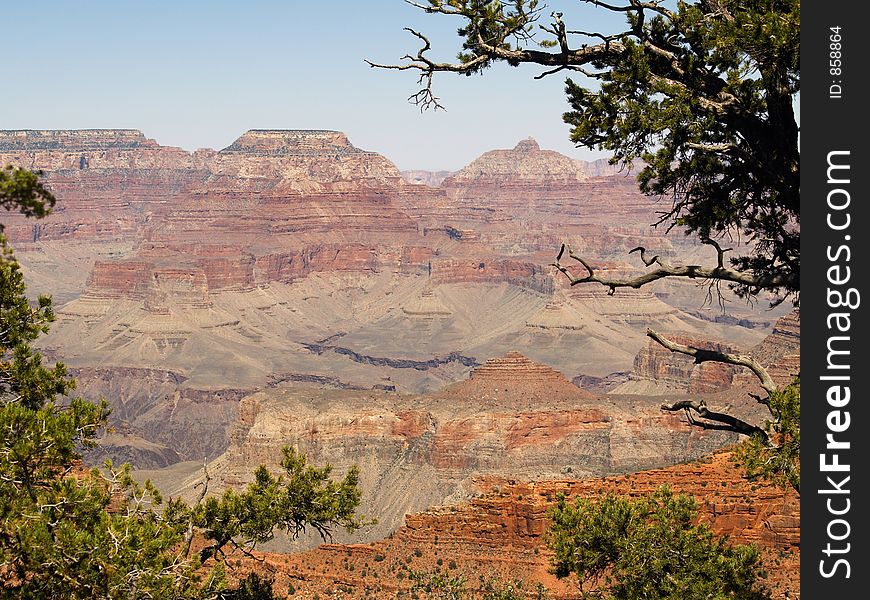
[[649, 547], [700, 98]]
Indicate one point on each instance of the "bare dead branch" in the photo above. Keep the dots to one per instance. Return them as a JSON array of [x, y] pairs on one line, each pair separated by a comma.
[[633, 5], [488, 50], [244, 549], [701, 355], [553, 71], [714, 420], [595, 34], [719, 272], [421, 62]]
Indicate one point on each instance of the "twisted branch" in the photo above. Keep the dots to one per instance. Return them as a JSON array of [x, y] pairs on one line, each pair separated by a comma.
[[496, 46], [718, 420], [720, 272], [715, 420], [712, 419], [425, 98], [701, 355]]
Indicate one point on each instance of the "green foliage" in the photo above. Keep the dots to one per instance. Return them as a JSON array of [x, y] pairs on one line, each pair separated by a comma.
[[649, 548], [779, 459], [70, 533], [700, 93], [498, 23], [21, 190], [66, 532], [438, 586], [301, 496], [22, 374], [711, 118]]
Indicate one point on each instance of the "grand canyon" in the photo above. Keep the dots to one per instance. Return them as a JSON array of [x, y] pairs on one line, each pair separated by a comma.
[[292, 288]]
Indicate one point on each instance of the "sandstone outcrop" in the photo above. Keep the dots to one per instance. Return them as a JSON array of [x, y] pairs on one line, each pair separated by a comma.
[[498, 534], [519, 273], [780, 351], [657, 370]]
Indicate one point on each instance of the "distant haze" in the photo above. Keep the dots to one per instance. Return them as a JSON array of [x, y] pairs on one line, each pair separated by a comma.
[[197, 73]]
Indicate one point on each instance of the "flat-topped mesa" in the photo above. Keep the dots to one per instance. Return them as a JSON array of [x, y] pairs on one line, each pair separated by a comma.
[[305, 161], [301, 142], [526, 161], [88, 153], [72, 140]]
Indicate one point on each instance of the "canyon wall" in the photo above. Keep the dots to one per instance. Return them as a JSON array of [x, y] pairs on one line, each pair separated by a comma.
[[231, 267], [513, 417]]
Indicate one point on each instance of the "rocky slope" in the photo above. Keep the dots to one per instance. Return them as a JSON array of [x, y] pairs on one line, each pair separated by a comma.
[[498, 534], [513, 417], [492, 527]]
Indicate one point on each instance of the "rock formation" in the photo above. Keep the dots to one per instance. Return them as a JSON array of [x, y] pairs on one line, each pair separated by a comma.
[[525, 162], [657, 370], [294, 289], [513, 417], [232, 266], [498, 534]]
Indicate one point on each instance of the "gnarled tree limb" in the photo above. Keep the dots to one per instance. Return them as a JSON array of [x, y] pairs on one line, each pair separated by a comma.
[[701, 355], [715, 420], [720, 272], [495, 45], [718, 420]]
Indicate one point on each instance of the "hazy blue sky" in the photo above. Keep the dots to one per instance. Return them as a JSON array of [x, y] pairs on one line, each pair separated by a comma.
[[199, 73]]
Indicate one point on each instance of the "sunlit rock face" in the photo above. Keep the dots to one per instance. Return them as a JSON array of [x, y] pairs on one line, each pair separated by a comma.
[[294, 257]]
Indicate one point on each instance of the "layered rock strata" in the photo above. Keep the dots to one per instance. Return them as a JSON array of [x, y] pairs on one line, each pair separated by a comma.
[[657, 370], [224, 265], [511, 417], [499, 534]]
